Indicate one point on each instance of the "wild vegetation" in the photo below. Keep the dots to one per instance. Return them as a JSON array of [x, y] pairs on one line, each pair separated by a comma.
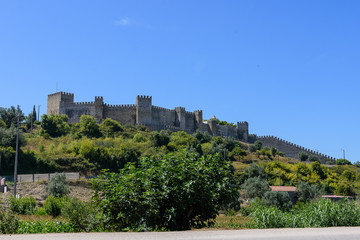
[[163, 180]]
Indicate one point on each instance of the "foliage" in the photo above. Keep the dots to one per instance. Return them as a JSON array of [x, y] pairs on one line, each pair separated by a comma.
[[313, 158], [303, 156], [202, 137], [110, 128], [255, 187], [324, 213], [9, 222], [177, 191], [58, 186], [54, 205], [8, 137], [89, 127], [22, 205], [10, 115], [237, 153], [306, 192], [255, 170], [258, 145], [161, 138], [54, 126], [278, 199], [341, 161], [81, 215], [26, 227], [252, 148]]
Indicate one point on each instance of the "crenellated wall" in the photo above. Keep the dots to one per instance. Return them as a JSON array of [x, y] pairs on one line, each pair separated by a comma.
[[158, 118], [290, 149], [125, 114]]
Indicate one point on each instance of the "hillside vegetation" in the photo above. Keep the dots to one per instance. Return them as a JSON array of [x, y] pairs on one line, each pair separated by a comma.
[[158, 180]]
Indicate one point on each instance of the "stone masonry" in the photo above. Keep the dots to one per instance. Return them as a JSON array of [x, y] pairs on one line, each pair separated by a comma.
[[158, 118]]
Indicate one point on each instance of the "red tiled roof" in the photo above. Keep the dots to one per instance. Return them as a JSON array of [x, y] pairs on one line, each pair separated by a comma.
[[283, 188]]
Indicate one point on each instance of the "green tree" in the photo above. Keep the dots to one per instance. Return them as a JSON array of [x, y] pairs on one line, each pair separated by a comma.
[[278, 199], [176, 192], [306, 192], [255, 187], [54, 126], [255, 170], [110, 128], [202, 137], [258, 145], [303, 156], [341, 161], [11, 115], [8, 137], [58, 186], [160, 138], [89, 127]]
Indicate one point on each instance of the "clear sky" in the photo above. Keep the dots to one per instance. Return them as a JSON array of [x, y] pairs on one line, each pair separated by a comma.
[[289, 68]]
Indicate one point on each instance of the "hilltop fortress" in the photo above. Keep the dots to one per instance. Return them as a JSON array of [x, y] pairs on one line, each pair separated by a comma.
[[158, 118]]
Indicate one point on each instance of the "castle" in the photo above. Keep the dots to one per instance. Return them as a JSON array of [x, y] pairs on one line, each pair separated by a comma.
[[158, 118]]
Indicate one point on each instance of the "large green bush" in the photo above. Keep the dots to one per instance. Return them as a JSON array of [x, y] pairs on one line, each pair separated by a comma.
[[178, 191], [82, 215]]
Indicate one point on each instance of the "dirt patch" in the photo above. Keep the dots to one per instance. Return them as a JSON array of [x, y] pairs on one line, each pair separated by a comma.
[[80, 189]]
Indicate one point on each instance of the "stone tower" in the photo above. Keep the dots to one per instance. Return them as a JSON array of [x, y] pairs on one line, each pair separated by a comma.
[[143, 110]]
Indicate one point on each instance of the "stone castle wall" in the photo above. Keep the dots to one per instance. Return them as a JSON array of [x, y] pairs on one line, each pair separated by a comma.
[[158, 118], [290, 149]]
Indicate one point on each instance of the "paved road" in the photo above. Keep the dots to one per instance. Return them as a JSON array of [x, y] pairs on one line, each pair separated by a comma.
[[339, 233]]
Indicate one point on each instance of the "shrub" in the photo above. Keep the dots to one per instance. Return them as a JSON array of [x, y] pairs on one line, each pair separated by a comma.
[[81, 215], [313, 158], [341, 161], [178, 191], [22, 205], [252, 148], [9, 222], [58, 185], [303, 156], [258, 145], [139, 138], [53, 205]]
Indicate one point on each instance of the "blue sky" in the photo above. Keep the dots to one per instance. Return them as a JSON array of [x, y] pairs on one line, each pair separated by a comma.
[[289, 68]]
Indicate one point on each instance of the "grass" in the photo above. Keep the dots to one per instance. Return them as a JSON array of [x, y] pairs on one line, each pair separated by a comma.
[[230, 222]]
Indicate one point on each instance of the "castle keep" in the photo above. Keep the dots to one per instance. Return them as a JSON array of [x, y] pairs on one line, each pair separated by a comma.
[[158, 118]]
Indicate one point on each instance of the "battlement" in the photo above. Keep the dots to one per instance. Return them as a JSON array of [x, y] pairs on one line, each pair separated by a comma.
[[161, 108], [242, 123], [180, 108], [84, 103], [119, 106], [61, 93], [144, 97]]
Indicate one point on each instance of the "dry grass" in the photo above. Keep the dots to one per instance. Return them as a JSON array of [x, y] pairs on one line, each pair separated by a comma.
[[231, 222]]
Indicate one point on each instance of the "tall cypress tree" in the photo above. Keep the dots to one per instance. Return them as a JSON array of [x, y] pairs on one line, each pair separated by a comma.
[[34, 114]]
